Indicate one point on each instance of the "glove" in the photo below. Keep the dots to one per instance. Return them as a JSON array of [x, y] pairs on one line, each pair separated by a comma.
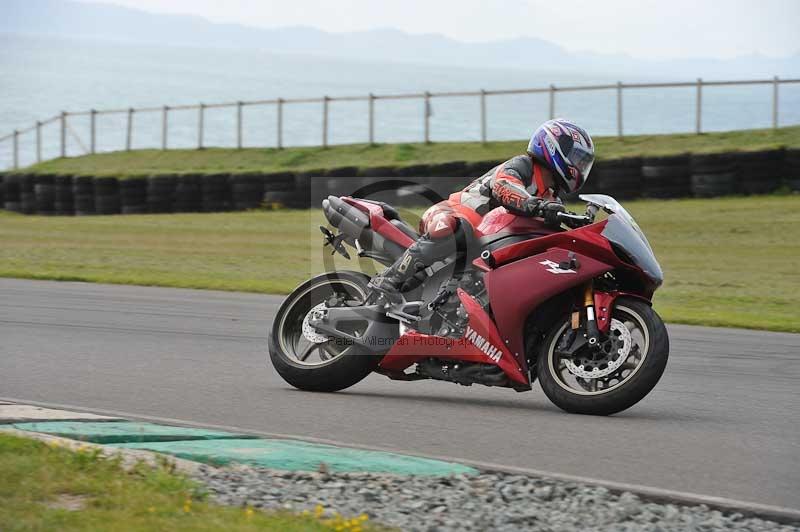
[[531, 206], [549, 211]]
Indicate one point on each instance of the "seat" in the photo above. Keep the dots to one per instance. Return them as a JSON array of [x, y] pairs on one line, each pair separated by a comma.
[[405, 228], [394, 218]]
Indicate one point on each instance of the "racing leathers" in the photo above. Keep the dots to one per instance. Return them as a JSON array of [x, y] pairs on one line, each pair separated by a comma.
[[517, 184]]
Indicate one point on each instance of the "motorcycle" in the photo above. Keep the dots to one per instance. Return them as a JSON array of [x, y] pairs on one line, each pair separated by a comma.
[[517, 301]]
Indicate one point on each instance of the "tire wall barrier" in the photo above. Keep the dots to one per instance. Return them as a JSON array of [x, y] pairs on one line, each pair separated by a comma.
[[106, 195], [666, 177], [83, 195], [673, 176], [64, 202], [792, 169]]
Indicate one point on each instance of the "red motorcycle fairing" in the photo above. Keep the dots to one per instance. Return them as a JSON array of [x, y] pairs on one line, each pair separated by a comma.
[[517, 288], [499, 220], [587, 240], [481, 343], [379, 223], [604, 305]]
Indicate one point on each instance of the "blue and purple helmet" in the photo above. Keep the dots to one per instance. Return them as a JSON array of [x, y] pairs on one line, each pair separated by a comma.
[[566, 149]]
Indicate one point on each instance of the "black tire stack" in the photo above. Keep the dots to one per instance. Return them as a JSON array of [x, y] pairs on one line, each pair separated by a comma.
[[106, 195], [713, 174], [443, 186], [378, 171], [28, 194], [621, 178], [791, 169], [189, 194], [247, 191], [414, 194], [476, 169], [758, 172], [283, 190], [64, 198], [83, 195], [377, 183], [160, 193], [341, 186], [666, 177], [344, 181], [2, 189], [215, 193], [13, 192], [308, 190], [451, 169], [45, 190], [379, 180], [133, 195]]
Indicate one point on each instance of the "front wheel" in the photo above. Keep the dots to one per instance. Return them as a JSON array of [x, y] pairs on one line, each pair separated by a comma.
[[308, 360], [626, 367]]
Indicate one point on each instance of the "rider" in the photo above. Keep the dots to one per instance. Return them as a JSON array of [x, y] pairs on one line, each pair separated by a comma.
[[559, 158]]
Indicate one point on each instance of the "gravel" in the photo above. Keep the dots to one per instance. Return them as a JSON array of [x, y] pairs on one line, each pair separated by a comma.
[[489, 501]]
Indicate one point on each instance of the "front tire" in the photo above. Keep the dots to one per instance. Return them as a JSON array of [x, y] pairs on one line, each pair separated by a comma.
[[645, 348], [318, 364]]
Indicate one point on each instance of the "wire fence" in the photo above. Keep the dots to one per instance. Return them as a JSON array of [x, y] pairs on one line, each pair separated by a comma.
[[157, 122]]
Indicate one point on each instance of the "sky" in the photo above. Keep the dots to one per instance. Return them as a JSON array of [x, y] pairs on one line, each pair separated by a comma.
[[652, 29]]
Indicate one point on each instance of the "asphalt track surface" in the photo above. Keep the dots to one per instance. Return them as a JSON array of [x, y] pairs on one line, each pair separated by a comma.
[[722, 422]]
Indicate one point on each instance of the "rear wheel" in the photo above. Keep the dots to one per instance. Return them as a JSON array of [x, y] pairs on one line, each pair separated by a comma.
[[629, 363], [308, 360]]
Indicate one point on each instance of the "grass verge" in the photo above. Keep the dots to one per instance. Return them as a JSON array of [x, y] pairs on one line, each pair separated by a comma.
[[220, 160], [728, 262], [52, 488]]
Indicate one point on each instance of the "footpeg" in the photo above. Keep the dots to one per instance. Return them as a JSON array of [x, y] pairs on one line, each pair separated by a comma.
[[407, 312]]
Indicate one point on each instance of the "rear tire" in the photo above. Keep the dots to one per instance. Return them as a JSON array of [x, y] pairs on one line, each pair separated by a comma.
[[630, 389], [349, 366]]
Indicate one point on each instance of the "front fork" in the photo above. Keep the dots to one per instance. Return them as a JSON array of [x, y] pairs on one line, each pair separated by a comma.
[[592, 331]]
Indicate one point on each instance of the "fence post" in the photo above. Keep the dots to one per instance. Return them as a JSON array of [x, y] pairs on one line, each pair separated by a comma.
[[427, 117], [164, 126], [129, 131], [483, 116], [239, 125], [552, 103], [280, 123], [15, 149], [371, 119], [325, 121], [38, 141], [92, 131], [699, 107], [201, 125], [63, 133], [619, 109], [775, 84]]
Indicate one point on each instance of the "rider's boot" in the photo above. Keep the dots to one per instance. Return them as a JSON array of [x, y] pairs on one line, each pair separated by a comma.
[[412, 264], [391, 280]]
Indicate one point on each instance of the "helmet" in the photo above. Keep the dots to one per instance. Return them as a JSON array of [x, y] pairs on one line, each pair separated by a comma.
[[566, 149]]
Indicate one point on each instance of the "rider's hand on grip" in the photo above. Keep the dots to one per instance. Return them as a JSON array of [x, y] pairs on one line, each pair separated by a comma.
[[549, 210]]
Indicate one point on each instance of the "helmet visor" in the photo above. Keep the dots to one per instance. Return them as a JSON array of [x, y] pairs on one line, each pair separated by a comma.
[[581, 158]]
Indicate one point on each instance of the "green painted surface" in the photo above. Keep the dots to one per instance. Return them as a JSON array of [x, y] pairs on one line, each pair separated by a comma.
[[122, 431], [300, 456]]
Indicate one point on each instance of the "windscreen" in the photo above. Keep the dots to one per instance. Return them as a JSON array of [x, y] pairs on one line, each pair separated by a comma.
[[610, 205], [621, 232]]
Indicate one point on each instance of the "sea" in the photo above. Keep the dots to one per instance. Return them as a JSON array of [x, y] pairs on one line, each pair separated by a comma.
[[41, 76]]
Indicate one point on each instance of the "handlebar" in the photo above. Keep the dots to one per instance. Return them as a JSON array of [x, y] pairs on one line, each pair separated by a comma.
[[576, 220]]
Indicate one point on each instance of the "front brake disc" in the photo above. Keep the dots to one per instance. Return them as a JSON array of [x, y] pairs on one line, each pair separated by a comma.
[[616, 346]]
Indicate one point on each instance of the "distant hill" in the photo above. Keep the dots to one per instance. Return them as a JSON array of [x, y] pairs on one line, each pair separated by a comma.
[[103, 21]]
